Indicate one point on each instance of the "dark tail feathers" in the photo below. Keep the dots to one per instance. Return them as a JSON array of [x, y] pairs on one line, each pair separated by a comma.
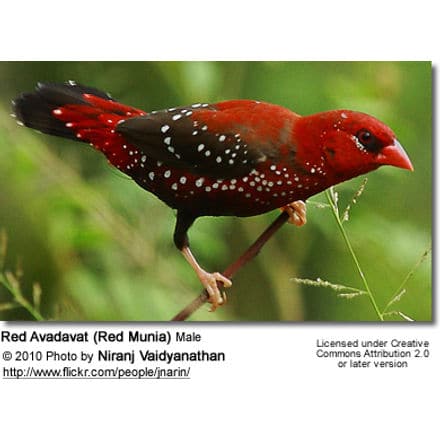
[[34, 110]]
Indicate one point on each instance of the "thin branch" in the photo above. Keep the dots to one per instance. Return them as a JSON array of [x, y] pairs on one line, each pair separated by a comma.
[[232, 269]]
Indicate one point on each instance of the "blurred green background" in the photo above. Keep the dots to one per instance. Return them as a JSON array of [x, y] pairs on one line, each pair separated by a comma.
[[101, 248]]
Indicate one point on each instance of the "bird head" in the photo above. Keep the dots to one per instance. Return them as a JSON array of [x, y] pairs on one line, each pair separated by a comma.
[[352, 143]]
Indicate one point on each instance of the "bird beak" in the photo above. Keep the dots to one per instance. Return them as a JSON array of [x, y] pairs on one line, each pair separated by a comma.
[[396, 156]]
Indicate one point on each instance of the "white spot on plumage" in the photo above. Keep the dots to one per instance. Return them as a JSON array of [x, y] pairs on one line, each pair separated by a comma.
[[170, 149], [208, 189], [174, 186], [207, 153], [221, 138], [231, 161], [183, 180], [200, 147], [196, 105], [199, 182], [176, 117], [167, 140], [167, 174], [164, 128], [57, 111], [205, 127], [218, 159], [143, 158]]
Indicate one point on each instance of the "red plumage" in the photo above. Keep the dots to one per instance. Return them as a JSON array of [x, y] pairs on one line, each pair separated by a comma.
[[239, 157]]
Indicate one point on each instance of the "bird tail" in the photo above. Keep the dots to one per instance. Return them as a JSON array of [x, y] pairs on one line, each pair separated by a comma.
[[76, 112]]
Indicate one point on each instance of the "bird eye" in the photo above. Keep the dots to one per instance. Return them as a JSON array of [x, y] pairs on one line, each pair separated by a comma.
[[368, 140]]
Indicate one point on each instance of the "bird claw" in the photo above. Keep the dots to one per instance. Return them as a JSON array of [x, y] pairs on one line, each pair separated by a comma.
[[297, 212], [210, 282]]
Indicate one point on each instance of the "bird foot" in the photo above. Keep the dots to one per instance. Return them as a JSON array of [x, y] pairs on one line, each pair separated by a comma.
[[210, 282], [297, 212]]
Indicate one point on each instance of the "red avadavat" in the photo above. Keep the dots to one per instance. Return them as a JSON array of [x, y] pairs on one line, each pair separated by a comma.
[[237, 158]]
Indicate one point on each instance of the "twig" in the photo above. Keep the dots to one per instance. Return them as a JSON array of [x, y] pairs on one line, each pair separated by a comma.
[[232, 269]]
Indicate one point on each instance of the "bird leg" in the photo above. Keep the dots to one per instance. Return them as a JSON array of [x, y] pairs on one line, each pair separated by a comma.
[[297, 212], [209, 280]]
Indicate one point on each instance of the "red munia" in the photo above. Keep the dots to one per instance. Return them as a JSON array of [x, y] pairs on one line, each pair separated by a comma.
[[237, 158]]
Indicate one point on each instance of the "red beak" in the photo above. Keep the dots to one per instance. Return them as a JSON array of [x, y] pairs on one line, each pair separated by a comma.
[[395, 156]]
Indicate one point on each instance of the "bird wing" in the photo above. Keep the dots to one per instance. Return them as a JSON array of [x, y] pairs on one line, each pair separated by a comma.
[[214, 140]]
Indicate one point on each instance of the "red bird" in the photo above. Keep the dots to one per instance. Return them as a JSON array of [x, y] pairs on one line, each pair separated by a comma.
[[238, 158]]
